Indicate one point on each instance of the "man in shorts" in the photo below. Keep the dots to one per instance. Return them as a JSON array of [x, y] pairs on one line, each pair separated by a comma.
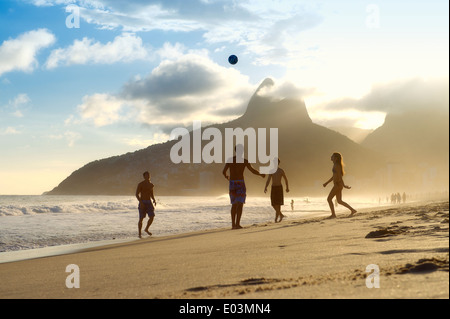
[[144, 194], [237, 187]]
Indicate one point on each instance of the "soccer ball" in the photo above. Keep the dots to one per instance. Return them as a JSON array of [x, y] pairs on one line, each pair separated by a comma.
[[233, 59]]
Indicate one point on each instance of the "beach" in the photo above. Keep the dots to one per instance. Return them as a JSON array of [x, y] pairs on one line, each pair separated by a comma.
[[295, 259]]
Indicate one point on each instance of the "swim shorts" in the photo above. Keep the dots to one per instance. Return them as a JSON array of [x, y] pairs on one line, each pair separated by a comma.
[[147, 209], [276, 195], [238, 192]]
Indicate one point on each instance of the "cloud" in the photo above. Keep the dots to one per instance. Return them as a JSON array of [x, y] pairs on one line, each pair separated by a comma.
[[20, 53], [48, 3], [69, 136], [10, 131], [184, 16], [268, 30], [102, 109], [189, 87], [273, 36], [349, 118], [124, 48], [17, 104], [398, 96], [279, 90], [370, 110], [189, 75]]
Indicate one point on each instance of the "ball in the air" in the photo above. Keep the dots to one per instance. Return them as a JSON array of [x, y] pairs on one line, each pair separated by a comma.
[[233, 59]]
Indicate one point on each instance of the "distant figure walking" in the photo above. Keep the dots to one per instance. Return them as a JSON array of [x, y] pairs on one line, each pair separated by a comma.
[[144, 194], [292, 204], [338, 173], [276, 193], [393, 198], [237, 189]]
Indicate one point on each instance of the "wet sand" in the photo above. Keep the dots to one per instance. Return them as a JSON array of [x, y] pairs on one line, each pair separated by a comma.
[[311, 258]]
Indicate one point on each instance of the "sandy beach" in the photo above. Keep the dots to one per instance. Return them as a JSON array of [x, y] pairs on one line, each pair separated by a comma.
[[310, 258]]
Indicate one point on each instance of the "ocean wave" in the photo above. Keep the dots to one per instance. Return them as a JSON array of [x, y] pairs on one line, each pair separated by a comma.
[[21, 210], [28, 222], [95, 208]]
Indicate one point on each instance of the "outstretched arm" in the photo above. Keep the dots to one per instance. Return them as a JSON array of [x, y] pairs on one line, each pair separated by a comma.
[[328, 181], [267, 183], [254, 171]]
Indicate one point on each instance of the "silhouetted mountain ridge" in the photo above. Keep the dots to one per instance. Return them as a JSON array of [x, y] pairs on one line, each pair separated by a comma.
[[303, 146], [415, 134], [416, 147], [355, 134]]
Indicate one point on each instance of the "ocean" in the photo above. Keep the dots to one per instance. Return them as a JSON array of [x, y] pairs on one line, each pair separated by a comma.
[[33, 226]]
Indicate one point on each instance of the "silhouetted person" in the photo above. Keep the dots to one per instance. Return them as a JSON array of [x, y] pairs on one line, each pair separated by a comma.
[[404, 197], [292, 204], [237, 189], [276, 193], [144, 194], [337, 178]]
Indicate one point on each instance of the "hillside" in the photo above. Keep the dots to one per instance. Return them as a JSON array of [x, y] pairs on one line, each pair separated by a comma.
[[304, 149], [416, 148], [355, 134]]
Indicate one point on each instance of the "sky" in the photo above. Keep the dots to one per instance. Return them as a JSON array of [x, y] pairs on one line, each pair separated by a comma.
[[89, 79]]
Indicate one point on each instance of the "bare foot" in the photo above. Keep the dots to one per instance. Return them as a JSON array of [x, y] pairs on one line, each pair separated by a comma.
[[149, 233], [331, 217]]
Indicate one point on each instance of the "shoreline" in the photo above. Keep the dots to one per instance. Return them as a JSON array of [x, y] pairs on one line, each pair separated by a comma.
[[49, 251], [303, 258]]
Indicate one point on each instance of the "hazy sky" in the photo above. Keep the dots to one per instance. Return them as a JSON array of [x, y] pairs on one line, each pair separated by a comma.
[[131, 70]]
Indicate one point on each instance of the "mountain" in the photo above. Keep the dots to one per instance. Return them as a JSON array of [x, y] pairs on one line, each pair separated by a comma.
[[418, 135], [304, 148], [416, 148], [355, 134]]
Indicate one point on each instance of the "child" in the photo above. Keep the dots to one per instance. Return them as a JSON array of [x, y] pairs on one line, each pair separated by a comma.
[[276, 194]]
